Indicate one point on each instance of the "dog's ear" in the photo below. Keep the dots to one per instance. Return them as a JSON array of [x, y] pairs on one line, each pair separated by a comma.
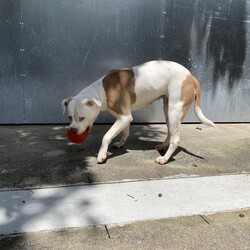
[[91, 102], [65, 103]]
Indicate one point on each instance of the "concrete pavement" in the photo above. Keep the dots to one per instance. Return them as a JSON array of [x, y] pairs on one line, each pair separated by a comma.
[[37, 156], [41, 156], [35, 210], [218, 231]]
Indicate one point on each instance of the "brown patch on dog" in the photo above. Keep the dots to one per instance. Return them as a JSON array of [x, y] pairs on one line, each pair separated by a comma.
[[188, 93], [119, 86]]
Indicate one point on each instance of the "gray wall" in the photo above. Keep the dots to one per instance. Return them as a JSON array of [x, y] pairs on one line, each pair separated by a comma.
[[51, 49]]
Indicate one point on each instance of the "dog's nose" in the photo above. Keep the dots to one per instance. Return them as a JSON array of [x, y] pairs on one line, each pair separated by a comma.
[[74, 130]]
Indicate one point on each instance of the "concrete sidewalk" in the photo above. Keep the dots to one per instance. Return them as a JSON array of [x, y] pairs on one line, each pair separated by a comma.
[[38, 156], [41, 156], [218, 231]]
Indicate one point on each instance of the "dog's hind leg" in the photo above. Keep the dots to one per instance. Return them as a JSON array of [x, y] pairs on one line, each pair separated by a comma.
[[177, 110], [125, 134], [174, 121], [165, 144]]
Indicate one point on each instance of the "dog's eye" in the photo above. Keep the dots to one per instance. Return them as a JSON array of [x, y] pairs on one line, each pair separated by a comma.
[[81, 119], [70, 117]]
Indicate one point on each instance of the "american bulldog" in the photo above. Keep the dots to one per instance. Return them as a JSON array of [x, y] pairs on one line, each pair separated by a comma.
[[121, 91]]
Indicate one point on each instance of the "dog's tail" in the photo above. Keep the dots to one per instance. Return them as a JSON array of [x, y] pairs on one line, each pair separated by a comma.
[[197, 107]]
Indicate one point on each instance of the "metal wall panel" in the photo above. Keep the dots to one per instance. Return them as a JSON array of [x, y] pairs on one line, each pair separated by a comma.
[[52, 49], [11, 84]]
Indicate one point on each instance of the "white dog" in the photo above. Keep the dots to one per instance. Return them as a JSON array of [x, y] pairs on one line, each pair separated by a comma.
[[121, 91]]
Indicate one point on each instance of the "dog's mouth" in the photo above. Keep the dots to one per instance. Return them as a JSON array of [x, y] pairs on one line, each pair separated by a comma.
[[90, 128]]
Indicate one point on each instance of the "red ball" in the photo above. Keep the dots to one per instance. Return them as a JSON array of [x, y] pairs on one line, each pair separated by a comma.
[[77, 138]]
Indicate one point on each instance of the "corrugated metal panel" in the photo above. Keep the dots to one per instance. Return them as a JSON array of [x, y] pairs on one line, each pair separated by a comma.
[[11, 85], [52, 49]]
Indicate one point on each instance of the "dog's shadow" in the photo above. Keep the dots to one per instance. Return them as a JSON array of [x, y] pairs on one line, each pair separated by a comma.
[[147, 145], [179, 150]]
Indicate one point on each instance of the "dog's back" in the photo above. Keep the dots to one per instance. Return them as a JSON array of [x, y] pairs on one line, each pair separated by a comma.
[[156, 79]]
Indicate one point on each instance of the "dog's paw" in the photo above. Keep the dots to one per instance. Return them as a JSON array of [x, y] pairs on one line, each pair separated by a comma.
[[160, 160], [101, 161], [101, 158], [117, 145]]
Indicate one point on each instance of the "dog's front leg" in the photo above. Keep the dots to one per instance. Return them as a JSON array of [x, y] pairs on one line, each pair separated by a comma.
[[125, 134], [121, 123]]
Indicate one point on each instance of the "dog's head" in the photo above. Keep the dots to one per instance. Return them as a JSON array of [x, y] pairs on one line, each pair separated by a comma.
[[82, 112]]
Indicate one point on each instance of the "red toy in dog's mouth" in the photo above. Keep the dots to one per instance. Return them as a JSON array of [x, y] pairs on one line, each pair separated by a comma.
[[78, 138]]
